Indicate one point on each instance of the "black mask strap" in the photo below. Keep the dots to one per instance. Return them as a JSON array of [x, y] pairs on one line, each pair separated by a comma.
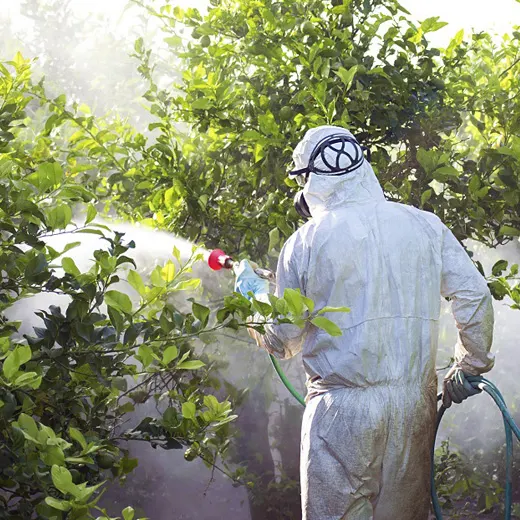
[[354, 155], [301, 206]]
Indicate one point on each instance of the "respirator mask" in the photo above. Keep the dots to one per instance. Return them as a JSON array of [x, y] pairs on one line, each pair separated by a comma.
[[329, 153]]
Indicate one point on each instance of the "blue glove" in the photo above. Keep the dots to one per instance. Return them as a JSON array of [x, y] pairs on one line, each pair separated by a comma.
[[248, 281], [456, 388]]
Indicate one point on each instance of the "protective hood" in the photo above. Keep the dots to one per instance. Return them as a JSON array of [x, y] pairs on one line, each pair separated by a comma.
[[327, 192]]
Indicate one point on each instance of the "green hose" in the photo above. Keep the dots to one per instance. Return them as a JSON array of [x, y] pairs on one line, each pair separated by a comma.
[[285, 381], [510, 427]]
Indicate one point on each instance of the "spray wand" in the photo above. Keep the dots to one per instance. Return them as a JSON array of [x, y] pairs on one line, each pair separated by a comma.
[[218, 260]]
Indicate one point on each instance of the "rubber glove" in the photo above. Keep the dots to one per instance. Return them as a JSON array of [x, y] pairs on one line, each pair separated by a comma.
[[248, 281], [456, 388]]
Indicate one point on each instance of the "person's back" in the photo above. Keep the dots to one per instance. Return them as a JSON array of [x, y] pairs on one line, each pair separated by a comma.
[[386, 268], [369, 423]]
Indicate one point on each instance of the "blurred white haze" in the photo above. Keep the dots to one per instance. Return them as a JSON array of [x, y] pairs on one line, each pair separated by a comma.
[[106, 79]]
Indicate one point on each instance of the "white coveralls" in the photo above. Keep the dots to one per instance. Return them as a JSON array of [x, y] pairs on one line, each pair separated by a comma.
[[369, 423]]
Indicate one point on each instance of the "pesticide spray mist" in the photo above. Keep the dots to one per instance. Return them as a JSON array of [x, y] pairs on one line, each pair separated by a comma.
[[164, 484]]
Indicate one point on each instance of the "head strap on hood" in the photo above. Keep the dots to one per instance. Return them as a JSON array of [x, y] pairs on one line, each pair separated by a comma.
[[345, 149]]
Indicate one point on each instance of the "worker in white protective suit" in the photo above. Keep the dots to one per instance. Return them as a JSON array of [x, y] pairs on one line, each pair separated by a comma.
[[371, 405]]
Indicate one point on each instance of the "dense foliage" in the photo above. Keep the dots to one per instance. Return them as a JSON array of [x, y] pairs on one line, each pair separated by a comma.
[[66, 389], [434, 119]]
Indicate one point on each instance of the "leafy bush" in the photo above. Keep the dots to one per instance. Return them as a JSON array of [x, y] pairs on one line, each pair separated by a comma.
[[66, 389]]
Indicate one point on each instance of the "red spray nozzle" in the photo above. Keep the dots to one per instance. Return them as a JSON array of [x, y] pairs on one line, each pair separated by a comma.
[[218, 260]]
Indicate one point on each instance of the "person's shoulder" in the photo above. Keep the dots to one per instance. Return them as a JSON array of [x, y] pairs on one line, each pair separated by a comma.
[[425, 216], [300, 236]]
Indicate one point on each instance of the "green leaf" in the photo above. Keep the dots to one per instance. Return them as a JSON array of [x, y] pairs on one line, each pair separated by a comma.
[[417, 37], [455, 42], [91, 213], [17, 357], [119, 383], [268, 124], [58, 217], [347, 76], [36, 266], [118, 301], [212, 403], [168, 272], [47, 176], [333, 309], [51, 122], [505, 150], [30, 379], [91, 232], [70, 246], [135, 280], [499, 267], [169, 354], [474, 184], [259, 152], [445, 172], [308, 303], [62, 480], [69, 266], [428, 159], [426, 196], [432, 24], [186, 285], [78, 437], [145, 353], [61, 505], [172, 41], [281, 306], [274, 238], [202, 103], [26, 435], [263, 308], [84, 492], [53, 455], [139, 45], [177, 254], [128, 513], [188, 410], [294, 301], [156, 277], [190, 365], [116, 319], [328, 326], [222, 315], [509, 231], [200, 312], [28, 424]]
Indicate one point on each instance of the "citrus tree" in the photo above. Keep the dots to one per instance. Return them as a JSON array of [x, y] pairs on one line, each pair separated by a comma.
[[256, 75], [114, 339]]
